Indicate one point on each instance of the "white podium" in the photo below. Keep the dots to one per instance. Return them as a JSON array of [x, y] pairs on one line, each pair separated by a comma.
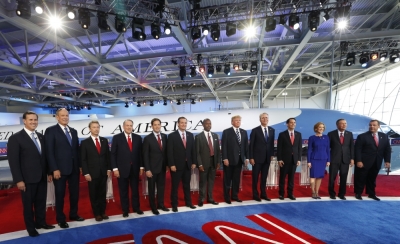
[[273, 174], [304, 173], [194, 180], [350, 178], [51, 197], [110, 191]]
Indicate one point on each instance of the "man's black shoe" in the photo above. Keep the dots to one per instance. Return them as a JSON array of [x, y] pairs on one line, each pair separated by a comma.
[[155, 212], [281, 198], [33, 233], [77, 218], [45, 226], [63, 225], [332, 197], [174, 209], [358, 196], [374, 197], [191, 206], [200, 204], [291, 197]]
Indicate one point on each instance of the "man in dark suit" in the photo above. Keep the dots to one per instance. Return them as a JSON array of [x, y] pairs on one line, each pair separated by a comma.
[[96, 167], [62, 150], [342, 156], [371, 148], [181, 159], [126, 162], [261, 151], [208, 155], [26, 156], [289, 157], [235, 149], [155, 165]]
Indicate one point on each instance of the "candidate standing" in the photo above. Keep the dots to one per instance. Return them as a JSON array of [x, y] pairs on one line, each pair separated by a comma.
[[261, 151], [127, 165], [96, 167], [62, 150], [342, 157], [208, 155], [27, 160], [289, 151], [155, 165], [371, 149], [235, 151], [181, 159]]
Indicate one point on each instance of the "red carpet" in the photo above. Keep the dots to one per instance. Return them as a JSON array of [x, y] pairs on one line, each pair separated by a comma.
[[11, 205]]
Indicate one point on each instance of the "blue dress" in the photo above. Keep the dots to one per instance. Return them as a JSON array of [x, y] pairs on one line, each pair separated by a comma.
[[318, 154]]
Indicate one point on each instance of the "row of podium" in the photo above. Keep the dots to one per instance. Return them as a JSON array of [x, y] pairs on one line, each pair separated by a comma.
[[272, 181]]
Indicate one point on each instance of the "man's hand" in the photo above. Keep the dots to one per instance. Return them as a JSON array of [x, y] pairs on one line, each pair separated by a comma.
[[116, 173], [226, 162], [387, 165], [56, 174], [173, 168], [166, 169], [201, 168], [193, 166], [351, 163], [309, 165], [109, 173], [49, 178], [328, 163], [281, 163], [80, 170], [252, 162], [360, 164], [218, 166], [141, 171], [21, 186], [149, 174], [298, 163], [88, 178]]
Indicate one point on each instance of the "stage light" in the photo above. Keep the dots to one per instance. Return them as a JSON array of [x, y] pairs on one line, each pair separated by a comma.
[[383, 56], [173, 61], [193, 72], [192, 102], [394, 56], [97, 2], [294, 21], [326, 15], [55, 21], [218, 68], [182, 72], [270, 24], [364, 58], [202, 68], [282, 20], [200, 100], [151, 103], [178, 102], [126, 105], [144, 103], [342, 15], [165, 102], [230, 29], [313, 20], [215, 32], [250, 31], [253, 67], [167, 28], [227, 69], [210, 70], [71, 12], [102, 21], [155, 30], [23, 9], [184, 100], [236, 66], [196, 33], [120, 25], [373, 56], [245, 66], [84, 18], [39, 7], [351, 59], [341, 24], [138, 29], [205, 30], [138, 105]]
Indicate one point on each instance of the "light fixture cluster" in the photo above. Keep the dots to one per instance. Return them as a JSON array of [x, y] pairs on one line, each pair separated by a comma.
[[217, 68], [366, 58], [164, 101]]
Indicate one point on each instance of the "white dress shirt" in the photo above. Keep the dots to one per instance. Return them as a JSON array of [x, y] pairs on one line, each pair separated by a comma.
[[35, 135]]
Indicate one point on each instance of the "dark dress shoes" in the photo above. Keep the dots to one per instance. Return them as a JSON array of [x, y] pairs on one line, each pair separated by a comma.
[[200, 204], [163, 208], [281, 198], [174, 209], [103, 216], [212, 202], [125, 215], [332, 197], [191, 206], [228, 202], [45, 226], [291, 197], [266, 199], [155, 211], [257, 199], [237, 200], [140, 212], [77, 218], [342, 197], [374, 197], [98, 218], [63, 225], [33, 233], [358, 196]]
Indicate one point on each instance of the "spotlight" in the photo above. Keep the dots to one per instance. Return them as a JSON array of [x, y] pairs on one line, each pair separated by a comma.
[[236, 66], [71, 12], [227, 69], [173, 61], [244, 66], [313, 20], [200, 100], [373, 56], [210, 70], [182, 72], [126, 105], [138, 29], [364, 58], [215, 32], [230, 29], [196, 34], [138, 105], [102, 21], [39, 7], [205, 30], [342, 17], [383, 56], [202, 68], [351, 59], [270, 24], [193, 72], [144, 103], [341, 24], [250, 31], [165, 102], [120, 25], [394, 56], [294, 21], [218, 68], [192, 102], [155, 30], [23, 9], [167, 29], [84, 18], [184, 100], [151, 103], [253, 67], [178, 102], [282, 20]]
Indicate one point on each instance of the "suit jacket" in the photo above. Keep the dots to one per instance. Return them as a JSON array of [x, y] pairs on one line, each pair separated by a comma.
[[93, 163], [368, 153], [260, 150], [203, 150], [341, 153], [122, 157], [26, 163], [178, 155], [154, 158], [286, 151], [231, 149], [60, 154]]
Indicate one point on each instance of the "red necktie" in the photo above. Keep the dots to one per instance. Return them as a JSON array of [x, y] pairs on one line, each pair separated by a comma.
[[159, 141], [130, 143], [210, 146], [98, 145], [376, 140], [291, 138], [184, 140], [341, 138]]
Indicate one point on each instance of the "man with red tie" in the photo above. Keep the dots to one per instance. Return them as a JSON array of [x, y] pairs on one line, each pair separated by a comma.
[[96, 167], [371, 148], [126, 162]]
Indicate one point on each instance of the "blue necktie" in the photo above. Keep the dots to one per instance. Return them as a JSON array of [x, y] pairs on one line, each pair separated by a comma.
[[265, 134], [68, 136], [36, 143]]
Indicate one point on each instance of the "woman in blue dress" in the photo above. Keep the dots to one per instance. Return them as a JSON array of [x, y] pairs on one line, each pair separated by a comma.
[[318, 157]]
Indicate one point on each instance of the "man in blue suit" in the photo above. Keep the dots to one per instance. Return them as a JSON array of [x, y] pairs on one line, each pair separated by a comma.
[[25, 151], [126, 162], [62, 151]]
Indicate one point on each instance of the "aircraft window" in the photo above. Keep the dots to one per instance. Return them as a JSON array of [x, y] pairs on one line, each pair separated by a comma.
[[385, 128]]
